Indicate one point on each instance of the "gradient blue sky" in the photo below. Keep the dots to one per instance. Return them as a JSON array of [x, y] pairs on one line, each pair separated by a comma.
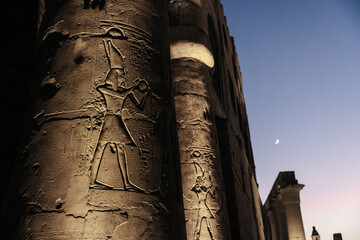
[[300, 62]]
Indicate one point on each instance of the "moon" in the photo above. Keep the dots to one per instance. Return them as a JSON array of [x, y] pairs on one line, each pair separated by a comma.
[[277, 141]]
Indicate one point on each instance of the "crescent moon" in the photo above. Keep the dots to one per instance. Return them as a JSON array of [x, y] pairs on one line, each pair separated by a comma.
[[277, 141]]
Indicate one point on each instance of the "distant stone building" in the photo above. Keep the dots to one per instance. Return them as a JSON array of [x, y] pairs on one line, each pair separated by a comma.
[[282, 212]]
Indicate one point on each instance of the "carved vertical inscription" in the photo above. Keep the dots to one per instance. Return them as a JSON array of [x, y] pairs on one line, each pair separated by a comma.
[[203, 187], [141, 54], [145, 153]]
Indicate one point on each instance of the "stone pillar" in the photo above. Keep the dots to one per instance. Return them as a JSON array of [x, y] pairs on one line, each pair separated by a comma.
[[96, 163], [280, 219], [272, 223], [192, 63], [291, 202]]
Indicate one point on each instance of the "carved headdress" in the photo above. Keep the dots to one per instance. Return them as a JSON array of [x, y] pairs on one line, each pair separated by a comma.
[[116, 59]]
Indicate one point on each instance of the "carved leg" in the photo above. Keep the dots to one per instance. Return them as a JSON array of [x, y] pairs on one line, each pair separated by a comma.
[[124, 170], [96, 161], [209, 228], [198, 229]]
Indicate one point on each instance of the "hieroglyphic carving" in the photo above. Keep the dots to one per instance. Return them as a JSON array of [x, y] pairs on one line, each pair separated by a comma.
[[144, 160], [202, 158], [128, 154], [141, 54], [134, 31], [142, 45], [115, 133], [142, 48], [110, 32], [145, 153]]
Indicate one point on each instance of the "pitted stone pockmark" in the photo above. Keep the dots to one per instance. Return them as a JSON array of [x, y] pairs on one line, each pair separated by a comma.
[[94, 4]]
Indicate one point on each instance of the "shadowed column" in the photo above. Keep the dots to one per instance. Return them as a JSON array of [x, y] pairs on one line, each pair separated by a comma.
[[192, 64], [97, 160]]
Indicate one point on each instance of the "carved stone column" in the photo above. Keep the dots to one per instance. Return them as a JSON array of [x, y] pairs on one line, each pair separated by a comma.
[[96, 164], [192, 63]]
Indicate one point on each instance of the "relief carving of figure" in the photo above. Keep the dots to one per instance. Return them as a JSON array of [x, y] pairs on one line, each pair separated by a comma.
[[111, 170], [129, 153], [203, 188]]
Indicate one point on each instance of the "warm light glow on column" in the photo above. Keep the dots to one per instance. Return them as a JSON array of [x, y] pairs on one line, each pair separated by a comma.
[[291, 202], [192, 50]]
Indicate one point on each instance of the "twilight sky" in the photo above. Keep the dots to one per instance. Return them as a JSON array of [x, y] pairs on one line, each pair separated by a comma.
[[300, 62]]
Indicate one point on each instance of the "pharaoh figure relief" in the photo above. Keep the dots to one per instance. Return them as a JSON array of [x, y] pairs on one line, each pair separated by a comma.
[[127, 155], [130, 151], [204, 190]]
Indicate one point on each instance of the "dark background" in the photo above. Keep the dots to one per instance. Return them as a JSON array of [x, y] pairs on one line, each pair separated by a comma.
[[17, 58]]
